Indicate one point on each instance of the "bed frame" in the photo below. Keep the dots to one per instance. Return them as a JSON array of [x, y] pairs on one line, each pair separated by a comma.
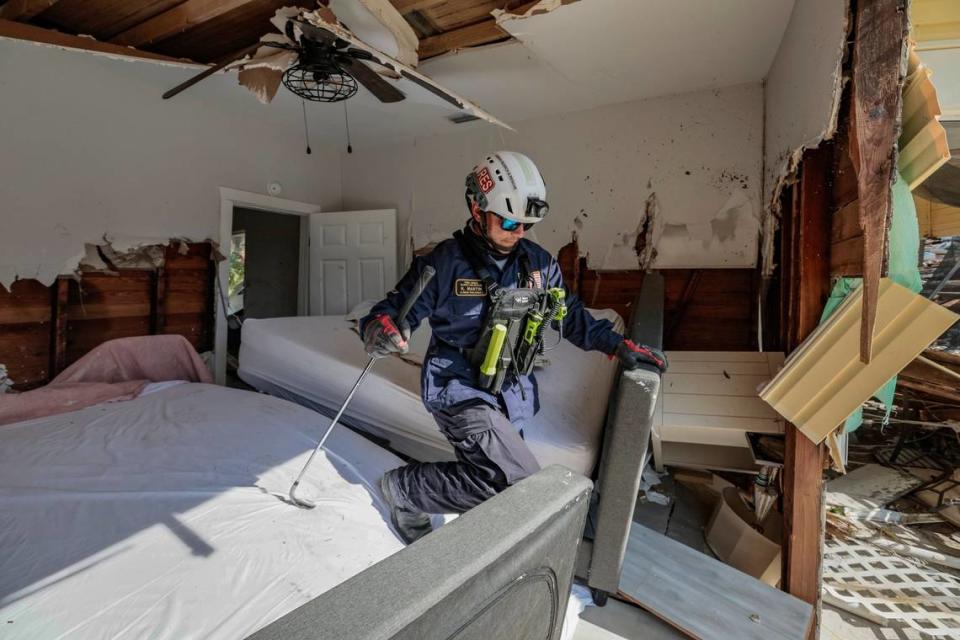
[[501, 570]]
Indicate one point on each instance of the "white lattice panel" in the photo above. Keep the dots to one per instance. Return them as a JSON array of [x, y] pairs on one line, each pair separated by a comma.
[[888, 586]]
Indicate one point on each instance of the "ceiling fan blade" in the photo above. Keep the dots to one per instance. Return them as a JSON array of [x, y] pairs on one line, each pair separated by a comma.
[[206, 73], [383, 90]]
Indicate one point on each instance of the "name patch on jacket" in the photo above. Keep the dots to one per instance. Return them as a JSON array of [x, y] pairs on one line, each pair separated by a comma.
[[469, 287]]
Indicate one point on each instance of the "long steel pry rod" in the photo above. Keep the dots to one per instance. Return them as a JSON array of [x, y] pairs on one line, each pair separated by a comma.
[[425, 276]]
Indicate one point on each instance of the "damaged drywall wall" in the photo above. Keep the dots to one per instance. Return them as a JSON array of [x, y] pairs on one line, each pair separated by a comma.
[[697, 155], [802, 97], [98, 152]]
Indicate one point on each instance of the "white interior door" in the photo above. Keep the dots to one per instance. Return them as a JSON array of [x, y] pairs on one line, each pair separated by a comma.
[[353, 257]]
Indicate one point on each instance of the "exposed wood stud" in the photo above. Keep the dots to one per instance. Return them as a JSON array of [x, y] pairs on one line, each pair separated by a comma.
[[807, 285], [878, 61]]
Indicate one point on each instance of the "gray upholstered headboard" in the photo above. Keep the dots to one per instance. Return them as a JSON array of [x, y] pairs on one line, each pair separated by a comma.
[[625, 439], [501, 570]]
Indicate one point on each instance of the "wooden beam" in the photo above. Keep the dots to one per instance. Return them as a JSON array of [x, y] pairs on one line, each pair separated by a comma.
[[21, 31], [176, 20], [476, 34], [24, 10], [809, 286], [879, 49]]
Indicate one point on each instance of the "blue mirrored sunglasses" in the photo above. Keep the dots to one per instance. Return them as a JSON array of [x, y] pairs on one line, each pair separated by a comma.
[[512, 225]]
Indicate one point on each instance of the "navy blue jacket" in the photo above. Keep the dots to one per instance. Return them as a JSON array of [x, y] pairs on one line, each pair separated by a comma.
[[457, 320]]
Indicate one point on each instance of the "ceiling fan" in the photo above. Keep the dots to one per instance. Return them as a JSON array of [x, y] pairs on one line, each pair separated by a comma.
[[323, 61]]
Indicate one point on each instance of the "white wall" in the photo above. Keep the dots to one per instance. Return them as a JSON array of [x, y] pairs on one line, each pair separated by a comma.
[[700, 153], [87, 147]]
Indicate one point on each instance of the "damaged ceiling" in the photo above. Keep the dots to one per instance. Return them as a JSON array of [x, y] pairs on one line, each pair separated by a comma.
[[579, 55]]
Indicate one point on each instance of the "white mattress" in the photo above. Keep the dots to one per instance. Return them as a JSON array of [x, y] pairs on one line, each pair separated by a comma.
[[319, 358], [162, 516]]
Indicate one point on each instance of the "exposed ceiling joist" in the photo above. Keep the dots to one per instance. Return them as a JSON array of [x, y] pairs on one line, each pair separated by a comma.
[[24, 9], [177, 20], [20, 31], [471, 36]]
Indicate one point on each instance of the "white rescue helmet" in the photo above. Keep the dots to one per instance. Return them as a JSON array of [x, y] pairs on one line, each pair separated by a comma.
[[510, 185]]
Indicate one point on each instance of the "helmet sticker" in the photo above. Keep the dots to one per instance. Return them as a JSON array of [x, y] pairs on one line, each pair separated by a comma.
[[485, 180]]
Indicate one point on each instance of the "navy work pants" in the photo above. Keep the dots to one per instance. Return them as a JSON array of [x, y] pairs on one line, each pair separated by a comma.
[[491, 456]]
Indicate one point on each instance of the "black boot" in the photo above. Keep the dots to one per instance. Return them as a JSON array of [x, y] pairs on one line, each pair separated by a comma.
[[410, 525]]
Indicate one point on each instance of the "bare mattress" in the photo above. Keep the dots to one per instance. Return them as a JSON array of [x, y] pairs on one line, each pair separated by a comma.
[[316, 360]]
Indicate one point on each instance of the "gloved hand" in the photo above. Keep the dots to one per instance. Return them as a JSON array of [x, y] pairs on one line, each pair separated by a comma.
[[382, 337], [633, 355]]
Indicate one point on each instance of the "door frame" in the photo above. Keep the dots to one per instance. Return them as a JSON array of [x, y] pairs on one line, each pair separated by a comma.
[[230, 198]]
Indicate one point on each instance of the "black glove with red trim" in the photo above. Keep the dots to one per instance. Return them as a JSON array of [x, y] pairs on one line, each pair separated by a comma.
[[633, 356], [381, 337]]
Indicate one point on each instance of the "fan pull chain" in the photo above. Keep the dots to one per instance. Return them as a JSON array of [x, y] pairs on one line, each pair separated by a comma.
[[346, 120], [306, 130]]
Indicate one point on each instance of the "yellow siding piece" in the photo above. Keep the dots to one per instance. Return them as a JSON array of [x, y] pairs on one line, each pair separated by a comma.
[[937, 220], [824, 381], [923, 140], [935, 20]]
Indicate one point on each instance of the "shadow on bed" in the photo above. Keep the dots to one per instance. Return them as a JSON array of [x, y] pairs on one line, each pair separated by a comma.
[[501, 570], [76, 487]]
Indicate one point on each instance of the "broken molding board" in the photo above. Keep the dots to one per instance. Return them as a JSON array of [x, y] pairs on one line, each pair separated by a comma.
[[869, 487], [802, 91], [824, 381]]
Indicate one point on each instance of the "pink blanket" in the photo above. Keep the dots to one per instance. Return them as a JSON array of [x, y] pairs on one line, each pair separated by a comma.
[[116, 370]]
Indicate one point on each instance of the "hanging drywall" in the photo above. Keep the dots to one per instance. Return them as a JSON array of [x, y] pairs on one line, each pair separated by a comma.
[[89, 149], [685, 168], [802, 95]]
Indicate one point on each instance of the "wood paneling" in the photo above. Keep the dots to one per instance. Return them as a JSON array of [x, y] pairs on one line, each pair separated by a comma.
[[104, 19], [25, 332], [704, 310], [44, 329]]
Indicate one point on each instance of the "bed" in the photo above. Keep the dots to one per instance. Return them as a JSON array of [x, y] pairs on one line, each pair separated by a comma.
[[184, 484], [165, 516], [315, 360]]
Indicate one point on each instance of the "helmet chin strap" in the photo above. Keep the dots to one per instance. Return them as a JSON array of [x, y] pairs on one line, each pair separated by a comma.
[[480, 229]]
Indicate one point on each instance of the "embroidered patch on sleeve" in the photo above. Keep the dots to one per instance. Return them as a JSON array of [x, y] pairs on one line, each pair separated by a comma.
[[469, 287]]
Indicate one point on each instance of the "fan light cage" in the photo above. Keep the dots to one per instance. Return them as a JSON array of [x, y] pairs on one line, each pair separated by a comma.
[[331, 84]]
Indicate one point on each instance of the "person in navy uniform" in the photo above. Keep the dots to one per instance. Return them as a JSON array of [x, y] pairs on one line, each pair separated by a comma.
[[505, 195]]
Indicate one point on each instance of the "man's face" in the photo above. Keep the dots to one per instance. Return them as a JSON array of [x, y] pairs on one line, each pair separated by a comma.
[[504, 241]]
